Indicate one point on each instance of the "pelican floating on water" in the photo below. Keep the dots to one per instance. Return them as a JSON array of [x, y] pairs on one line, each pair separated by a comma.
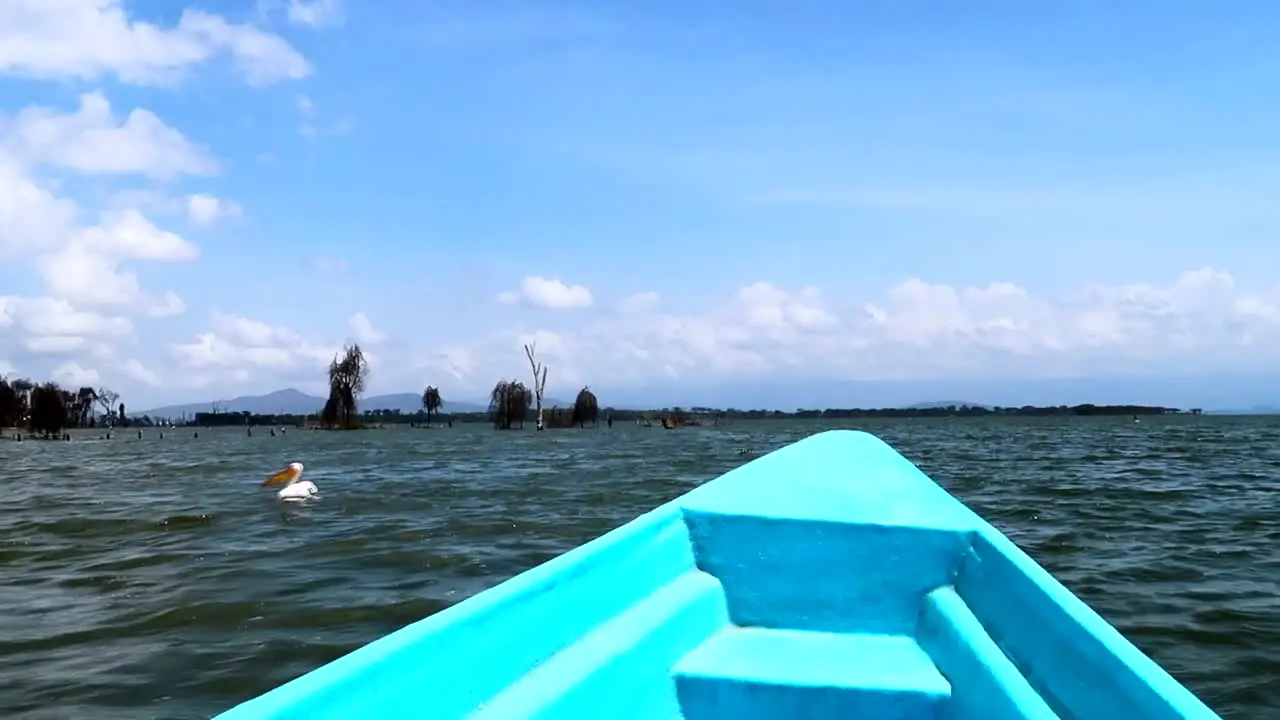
[[295, 488]]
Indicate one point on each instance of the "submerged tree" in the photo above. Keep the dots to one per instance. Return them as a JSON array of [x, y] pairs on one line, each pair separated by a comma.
[[585, 408], [69, 405], [13, 405], [83, 406], [431, 402], [539, 380], [24, 387], [106, 399], [509, 403], [329, 415], [348, 374], [49, 409]]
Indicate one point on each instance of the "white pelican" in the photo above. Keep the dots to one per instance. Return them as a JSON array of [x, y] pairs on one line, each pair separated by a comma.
[[295, 488]]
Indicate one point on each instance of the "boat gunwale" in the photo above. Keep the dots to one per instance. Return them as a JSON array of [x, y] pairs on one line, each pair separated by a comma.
[[1146, 679], [538, 579], [1155, 682]]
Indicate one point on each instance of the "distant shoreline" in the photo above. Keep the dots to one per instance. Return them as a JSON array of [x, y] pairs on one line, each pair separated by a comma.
[[698, 415]]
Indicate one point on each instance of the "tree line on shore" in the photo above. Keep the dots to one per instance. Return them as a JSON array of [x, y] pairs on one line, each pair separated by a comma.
[[689, 416], [511, 403], [47, 409]]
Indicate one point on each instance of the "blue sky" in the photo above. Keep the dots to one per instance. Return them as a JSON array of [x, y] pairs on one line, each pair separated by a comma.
[[667, 196]]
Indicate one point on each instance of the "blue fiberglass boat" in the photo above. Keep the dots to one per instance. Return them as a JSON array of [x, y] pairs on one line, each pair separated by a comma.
[[828, 579]]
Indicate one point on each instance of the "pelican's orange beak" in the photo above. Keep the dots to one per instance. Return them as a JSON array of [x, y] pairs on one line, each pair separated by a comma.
[[281, 476]]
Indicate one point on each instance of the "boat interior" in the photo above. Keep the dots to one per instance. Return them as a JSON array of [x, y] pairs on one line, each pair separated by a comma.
[[828, 579]]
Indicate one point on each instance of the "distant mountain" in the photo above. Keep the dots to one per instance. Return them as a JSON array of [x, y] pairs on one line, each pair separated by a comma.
[[291, 401], [1259, 393], [945, 404], [1181, 391], [412, 402], [296, 402]]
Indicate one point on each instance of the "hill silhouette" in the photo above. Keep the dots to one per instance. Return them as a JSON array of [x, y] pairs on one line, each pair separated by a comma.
[[291, 401]]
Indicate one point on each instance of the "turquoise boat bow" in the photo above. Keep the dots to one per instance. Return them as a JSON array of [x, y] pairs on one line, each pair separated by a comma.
[[830, 578]]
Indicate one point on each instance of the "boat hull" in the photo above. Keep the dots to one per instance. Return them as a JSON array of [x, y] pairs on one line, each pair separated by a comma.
[[830, 578]]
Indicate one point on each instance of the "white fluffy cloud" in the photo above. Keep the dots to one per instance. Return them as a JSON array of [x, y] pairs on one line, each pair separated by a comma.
[[87, 264], [363, 331], [54, 329], [94, 39], [80, 325], [237, 347], [93, 140], [87, 269], [639, 302], [51, 318], [206, 209], [914, 330], [548, 293], [240, 349], [919, 330], [315, 13], [31, 217], [70, 374]]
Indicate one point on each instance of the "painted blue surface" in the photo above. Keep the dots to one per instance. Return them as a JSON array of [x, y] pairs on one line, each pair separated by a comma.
[[830, 578]]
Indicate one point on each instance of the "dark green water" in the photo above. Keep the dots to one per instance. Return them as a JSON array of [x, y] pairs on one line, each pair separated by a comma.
[[154, 579]]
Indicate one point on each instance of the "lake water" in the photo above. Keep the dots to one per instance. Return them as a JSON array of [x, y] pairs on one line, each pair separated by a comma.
[[153, 578]]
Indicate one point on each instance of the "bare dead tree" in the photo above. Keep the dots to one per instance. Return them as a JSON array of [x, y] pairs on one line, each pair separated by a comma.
[[539, 380], [107, 400]]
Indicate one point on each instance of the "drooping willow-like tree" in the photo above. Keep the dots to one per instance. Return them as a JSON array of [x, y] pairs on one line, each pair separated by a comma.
[[585, 408], [509, 403]]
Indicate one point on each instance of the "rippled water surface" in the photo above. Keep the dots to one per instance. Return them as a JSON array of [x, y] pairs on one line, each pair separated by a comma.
[[153, 579]]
